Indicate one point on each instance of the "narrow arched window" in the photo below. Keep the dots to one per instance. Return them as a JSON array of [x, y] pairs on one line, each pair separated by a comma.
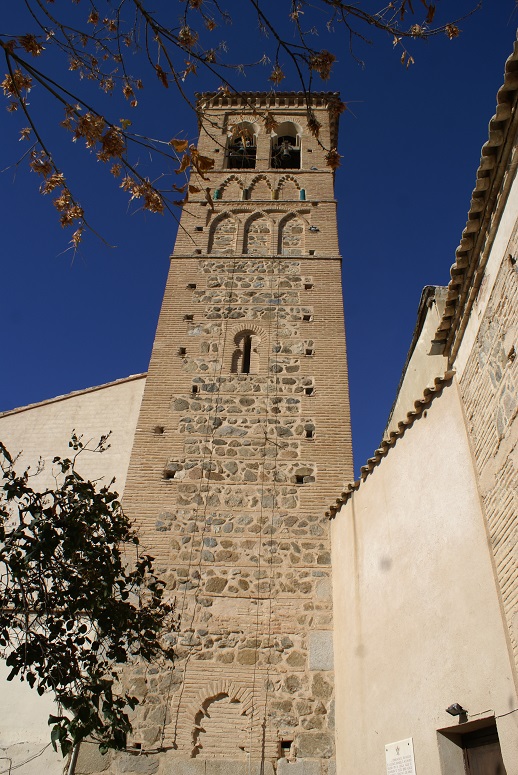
[[247, 351], [245, 358]]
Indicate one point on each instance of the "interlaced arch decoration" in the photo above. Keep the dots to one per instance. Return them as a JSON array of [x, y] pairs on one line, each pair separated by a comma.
[[258, 235], [288, 188], [231, 188], [260, 188], [292, 235], [223, 235]]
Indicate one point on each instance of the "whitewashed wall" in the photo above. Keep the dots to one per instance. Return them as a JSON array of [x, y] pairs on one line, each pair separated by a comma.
[[44, 430], [417, 618]]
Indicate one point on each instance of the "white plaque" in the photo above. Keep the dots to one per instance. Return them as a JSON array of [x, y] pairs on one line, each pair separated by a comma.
[[400, 758]]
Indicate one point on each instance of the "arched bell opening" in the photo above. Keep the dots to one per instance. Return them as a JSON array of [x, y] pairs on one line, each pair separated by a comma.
[[285, 147], [241, 150]]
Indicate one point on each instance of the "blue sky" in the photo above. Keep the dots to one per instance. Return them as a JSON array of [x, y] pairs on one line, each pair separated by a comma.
[[410, 142]]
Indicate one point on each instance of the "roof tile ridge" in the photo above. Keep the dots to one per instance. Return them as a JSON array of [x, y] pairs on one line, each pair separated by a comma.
[[487, 172]]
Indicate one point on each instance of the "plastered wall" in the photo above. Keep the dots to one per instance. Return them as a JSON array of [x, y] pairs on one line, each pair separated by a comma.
[[43, 430], [417, 623]]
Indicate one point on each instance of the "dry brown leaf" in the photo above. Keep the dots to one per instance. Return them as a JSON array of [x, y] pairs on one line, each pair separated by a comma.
[[180, 146]]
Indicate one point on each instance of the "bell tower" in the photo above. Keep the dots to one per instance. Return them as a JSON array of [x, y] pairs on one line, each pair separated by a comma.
[[243, 437]]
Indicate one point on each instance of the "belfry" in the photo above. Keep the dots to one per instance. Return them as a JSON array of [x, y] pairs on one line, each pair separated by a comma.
[[242, 439]]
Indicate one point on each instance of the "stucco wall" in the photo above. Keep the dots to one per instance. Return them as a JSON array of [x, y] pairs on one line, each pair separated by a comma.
[[44, 430], [417, 619], [424, 364]]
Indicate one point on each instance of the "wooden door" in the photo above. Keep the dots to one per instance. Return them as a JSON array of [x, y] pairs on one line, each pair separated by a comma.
[[482, 754]]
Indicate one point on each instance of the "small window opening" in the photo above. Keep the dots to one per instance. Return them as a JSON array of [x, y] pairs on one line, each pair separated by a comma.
[[311, 252], [307, 318], [245, 359], [198, 228], [135, 746], [168, 474], [182, 351], [247, 351], [285, 748], [188, 317], [309, 433], [197, 252], [191, 286], [309, 391], [309, 351], [195, 389], [299, 479], [158, 430], [308, 286]]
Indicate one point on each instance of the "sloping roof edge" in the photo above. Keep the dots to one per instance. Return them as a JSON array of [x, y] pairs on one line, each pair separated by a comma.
[[429, 394], [428, 295], [73, 394], [493, 181]]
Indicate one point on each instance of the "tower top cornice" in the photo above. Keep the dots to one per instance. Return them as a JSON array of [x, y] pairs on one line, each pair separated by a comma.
[[262, 102], [257, 100]]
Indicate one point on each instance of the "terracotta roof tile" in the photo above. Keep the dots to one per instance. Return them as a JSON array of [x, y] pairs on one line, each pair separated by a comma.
[[492, 174]]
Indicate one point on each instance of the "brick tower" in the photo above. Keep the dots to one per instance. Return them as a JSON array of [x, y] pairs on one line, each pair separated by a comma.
[[243, 438]]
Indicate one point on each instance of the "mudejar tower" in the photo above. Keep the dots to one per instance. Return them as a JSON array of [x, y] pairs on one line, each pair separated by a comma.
[[242, 440]]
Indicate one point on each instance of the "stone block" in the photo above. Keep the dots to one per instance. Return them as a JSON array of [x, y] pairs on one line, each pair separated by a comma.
[[331, 767], [185, 766], [321, 688], [232, 767], [299, 767], [139, 764], [315, 744], [321, 650], [90, 759]]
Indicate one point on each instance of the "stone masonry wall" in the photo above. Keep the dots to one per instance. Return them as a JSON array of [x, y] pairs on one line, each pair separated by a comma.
[[489, 387], [228, 483]]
